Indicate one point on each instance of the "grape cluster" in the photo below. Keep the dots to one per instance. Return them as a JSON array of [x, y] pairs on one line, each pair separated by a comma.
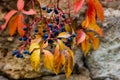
[[55, 26], [18, 54]]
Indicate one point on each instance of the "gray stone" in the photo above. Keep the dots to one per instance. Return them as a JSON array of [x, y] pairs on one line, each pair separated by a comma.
[[3, 78], [104, 63]]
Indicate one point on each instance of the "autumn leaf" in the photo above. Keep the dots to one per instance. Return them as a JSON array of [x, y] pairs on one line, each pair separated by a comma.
[[61, 44], [48, 59], [68, 63], [99, 10], [59, 60], [77, 5], [33, 46], [35, 59], [85, 45], [7, 18], [63, 35], [18, 24], [74, 39], [90, 20], [16, 19], [20, 4], [45, 44], [80, 36], [68, 28], [94, 40]]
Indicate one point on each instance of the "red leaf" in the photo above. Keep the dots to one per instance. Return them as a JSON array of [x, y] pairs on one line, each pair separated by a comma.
[[80, 36], [77, 5], [7, 18], [91, 14], [20, 4], [99, 10], [30, 12]]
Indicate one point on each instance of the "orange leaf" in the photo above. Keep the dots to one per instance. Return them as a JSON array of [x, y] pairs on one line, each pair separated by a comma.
[[94, 40], [85, 46], [20, 25], [16, 22], [12, 27], [99, 10], [95, 28], [59, 60], [77, 5], [80, 36], [68, 63], [48, 59], [7, 18]]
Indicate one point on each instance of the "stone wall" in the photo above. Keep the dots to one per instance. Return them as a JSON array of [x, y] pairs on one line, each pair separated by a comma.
[[102, 64]]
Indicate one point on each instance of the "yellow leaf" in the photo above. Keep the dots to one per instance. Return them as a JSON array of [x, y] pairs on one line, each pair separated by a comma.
[[35, 59], [74, 39], [68, 28], [45, 44], [94, 40], [48, 59], [59, 60], [68, 63], [37, 39], [61, 44], [85, 46], [34, 46], [64, 35]]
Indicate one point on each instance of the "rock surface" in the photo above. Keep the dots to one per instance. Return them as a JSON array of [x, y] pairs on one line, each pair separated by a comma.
[[104, 64]]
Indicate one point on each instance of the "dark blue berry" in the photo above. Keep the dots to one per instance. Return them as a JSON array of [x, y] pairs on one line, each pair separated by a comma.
[[19, 55], [55, 27], [56, 11], [52, 36], [36, 30], [45, 36], [44, 30], [44, 8], [62, 29], [25, 28], [57, 19], [69, 45], [26, 52], [15, 52], [24, 38], [20, 38], [49, 10], [63, 16], [62, 25], [73, 35], [56, 32], [50, 25], [50, 41], [69, 39]]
